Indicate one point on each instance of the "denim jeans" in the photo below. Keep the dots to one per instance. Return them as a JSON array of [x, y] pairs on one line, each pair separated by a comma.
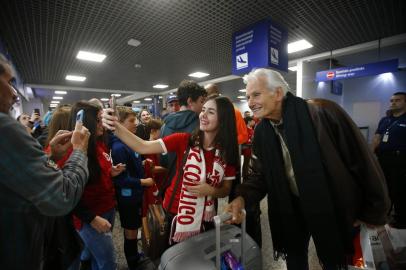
[[98, 245]]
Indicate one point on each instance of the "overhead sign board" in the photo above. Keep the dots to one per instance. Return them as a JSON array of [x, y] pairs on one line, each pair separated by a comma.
[[263, 44], [358, 71]]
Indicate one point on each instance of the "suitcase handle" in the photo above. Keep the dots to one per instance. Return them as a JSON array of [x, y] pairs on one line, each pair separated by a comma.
[[218, 220]]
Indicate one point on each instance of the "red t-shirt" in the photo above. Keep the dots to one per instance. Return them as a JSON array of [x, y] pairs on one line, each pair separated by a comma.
[[98, 196], [63, 160], [178, 143]]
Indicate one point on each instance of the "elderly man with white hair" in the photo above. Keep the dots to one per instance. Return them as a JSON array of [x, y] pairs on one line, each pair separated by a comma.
[[317, 170]]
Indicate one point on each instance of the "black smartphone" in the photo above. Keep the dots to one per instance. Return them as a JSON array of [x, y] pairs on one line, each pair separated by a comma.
[[36, 111]]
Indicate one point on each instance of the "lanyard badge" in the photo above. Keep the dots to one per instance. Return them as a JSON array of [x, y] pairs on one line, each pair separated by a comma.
[[385, 137]]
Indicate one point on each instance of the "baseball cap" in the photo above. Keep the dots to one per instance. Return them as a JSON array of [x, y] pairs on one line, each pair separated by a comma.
[[171, 98]]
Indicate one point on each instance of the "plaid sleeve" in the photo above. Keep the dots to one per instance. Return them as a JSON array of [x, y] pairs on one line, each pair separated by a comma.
[[26, 171]]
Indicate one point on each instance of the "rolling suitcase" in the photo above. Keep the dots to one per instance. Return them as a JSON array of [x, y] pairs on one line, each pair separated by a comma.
[[203, 251]]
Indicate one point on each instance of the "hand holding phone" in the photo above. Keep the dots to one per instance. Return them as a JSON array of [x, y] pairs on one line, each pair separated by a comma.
[[79, 116], [81, 134]]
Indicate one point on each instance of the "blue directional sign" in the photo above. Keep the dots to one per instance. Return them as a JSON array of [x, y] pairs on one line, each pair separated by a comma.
[[358, 71], [263, 44]]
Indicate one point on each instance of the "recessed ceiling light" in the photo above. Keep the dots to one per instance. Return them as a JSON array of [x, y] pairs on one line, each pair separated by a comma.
[[55, 102], [89, 56], [241, 97], [136, 101], [57, 98], [52, 105], [243, 100], [134, 42], [75, 78], [104, 99], [116, 95], [160, 86], [294, 68], [299, 46], [60, 92], [242, 90], [148, 99], [137, 65], [199, 74]]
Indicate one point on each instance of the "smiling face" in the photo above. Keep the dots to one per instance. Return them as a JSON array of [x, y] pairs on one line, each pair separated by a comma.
[[145, 117], [8, 94], [209, 117], [263, 102]]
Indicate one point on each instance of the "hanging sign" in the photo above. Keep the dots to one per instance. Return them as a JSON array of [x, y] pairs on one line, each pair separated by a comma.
[[358, 71], [263, 44]]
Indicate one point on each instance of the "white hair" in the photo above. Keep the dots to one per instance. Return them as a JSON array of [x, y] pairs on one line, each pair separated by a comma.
[[274, 79]]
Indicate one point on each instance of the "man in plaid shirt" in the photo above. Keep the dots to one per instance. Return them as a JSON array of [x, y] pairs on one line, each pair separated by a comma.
[[33, 190]]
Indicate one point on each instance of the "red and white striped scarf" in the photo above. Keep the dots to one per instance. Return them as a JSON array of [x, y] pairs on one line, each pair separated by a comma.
[[193, 210]]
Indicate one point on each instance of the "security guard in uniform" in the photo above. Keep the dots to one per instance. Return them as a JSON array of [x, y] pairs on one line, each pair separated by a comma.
[[390, 147]]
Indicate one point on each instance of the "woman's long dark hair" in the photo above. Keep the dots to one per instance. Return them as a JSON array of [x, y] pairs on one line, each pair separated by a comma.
[[226, 137], [90, 122]]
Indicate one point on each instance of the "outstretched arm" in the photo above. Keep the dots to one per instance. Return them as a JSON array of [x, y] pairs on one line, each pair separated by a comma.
[[135, 143]]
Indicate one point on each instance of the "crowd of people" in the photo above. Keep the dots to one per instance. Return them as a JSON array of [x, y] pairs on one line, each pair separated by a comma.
[[59, 194]]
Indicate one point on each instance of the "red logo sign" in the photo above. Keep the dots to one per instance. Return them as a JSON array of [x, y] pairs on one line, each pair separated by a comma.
[[330, 75]]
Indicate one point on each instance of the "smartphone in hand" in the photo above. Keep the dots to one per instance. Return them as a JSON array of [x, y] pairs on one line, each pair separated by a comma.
[[79, 116], [113, 103]]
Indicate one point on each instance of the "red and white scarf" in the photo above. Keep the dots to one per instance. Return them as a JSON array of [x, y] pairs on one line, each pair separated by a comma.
[[193, 210]]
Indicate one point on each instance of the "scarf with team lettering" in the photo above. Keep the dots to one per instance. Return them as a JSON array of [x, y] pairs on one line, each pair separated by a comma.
[[192, 210]]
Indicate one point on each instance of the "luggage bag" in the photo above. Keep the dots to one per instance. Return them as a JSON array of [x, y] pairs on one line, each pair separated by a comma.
[[203, 251], [154, 238]]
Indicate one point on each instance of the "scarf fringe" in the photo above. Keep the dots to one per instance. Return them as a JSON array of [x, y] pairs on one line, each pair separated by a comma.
[[181, 236]]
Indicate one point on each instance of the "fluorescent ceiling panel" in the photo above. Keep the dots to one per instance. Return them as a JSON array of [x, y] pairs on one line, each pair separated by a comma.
[[89, 56], [299, 46], [75, 78], [199, 74], [160, 86]]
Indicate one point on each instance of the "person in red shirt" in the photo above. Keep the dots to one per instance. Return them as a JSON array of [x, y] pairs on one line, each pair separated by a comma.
[[210, 156], [93, 217]]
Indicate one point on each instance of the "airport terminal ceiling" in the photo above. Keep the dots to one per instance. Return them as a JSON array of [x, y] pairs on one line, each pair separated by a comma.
[[177, 37]]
